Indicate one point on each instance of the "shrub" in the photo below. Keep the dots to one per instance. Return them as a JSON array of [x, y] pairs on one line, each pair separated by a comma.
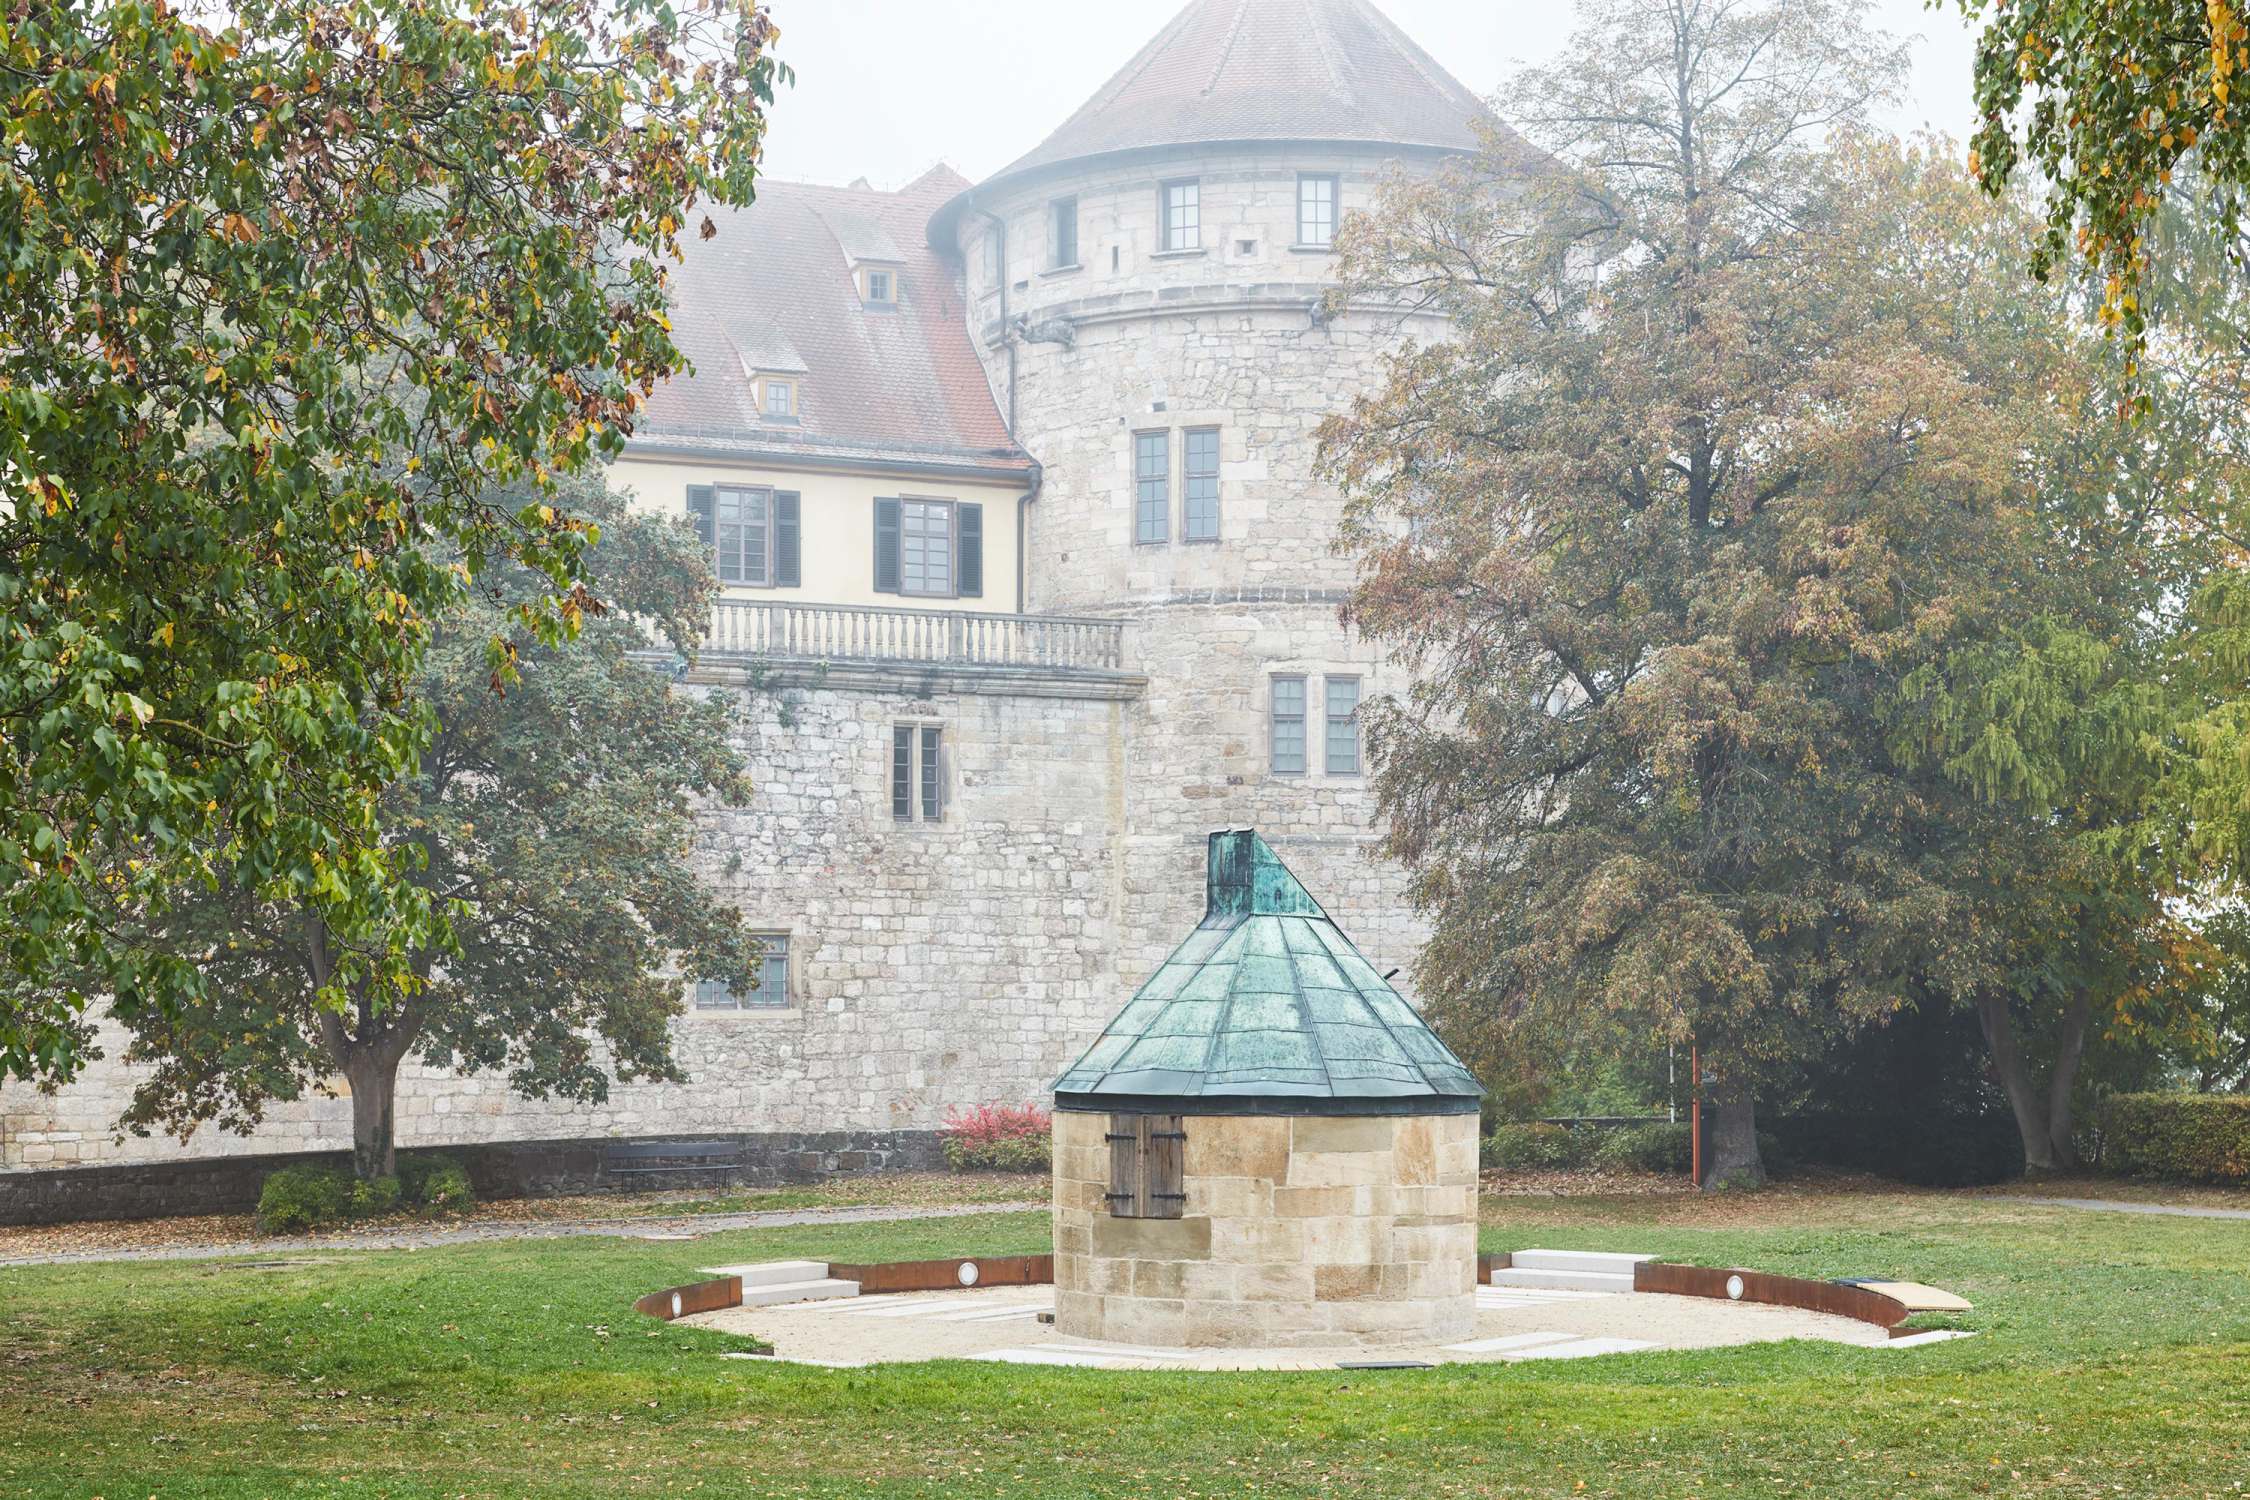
[[436, 1182], [1663, 1147], [374, 1198], [2193, 1137], [999, 1138], [303, 1197], [1536, 1147]]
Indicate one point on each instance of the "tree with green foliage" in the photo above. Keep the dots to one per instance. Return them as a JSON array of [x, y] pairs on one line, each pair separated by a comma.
[[1738, 429], [303, 303], [553, 823], [2107, 100]]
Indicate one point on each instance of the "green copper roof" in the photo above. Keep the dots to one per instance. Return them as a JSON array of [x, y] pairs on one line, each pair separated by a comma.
[[1267, 1006]]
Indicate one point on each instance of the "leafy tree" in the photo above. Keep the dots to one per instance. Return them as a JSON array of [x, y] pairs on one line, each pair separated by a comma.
[[1735, 431], [2108, 100], [246, 269], [554, 824]]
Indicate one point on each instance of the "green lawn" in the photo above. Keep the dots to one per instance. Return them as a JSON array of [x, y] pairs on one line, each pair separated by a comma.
[[2113, 1358]]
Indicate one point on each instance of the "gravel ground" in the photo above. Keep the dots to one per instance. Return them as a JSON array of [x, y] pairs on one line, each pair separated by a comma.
[[423, 1236]]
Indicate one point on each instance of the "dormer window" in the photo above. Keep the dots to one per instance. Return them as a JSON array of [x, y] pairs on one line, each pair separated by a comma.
[[781, 400], [881, 287]]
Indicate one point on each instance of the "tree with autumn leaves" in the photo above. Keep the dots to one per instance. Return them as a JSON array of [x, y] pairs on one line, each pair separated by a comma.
[[1719, 535], [304, 306]]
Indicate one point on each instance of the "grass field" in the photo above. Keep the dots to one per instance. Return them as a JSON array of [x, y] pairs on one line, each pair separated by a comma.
[[2113, 1358]]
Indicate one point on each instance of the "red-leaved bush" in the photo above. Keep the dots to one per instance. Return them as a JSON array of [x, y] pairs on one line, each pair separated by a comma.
[[998, 1138]]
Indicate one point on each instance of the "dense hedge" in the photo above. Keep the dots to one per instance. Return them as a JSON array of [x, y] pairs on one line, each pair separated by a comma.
[[2192, 1137], [309, 1196]]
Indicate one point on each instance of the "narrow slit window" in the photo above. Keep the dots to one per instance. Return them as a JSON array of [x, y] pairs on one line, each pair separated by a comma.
[[1289, 726], [1199, 479], [1342, 711], [933, 806], [1065, 237], [1152, 486], [917, 773]]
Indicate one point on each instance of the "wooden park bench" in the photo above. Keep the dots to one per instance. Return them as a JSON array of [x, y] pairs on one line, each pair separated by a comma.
[[639, 1159]]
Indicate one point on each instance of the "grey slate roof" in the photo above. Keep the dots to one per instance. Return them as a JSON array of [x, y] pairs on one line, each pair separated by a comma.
[[773, 291], [1267, 1007], [1270, 70]]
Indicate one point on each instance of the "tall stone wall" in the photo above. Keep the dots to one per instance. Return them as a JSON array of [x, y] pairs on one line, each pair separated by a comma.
[[933, 966]]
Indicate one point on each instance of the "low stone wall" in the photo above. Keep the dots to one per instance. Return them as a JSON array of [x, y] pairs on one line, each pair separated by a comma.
[[500, 1169], [1298, 1232]]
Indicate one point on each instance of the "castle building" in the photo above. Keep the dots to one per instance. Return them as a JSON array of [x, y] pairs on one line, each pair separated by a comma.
[[1028, 585]]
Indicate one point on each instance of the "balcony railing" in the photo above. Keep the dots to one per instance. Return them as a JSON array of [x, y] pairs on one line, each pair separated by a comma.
[[847, 632]]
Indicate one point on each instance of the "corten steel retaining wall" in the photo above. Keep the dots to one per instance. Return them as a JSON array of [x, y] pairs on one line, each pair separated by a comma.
[[499, 1169]]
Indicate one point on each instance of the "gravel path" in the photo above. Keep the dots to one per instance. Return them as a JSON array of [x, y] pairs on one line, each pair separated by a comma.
[[682, 1226], [2123, 1206]]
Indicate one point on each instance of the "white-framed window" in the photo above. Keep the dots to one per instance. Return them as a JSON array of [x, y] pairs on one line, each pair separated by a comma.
[[745, 535], [1183, 215], [1287, 724], [917, 773], [1152, 487], [925, 548], [1340, 708], [1199, 485], [1062, 238], [882, 286], [1316, 210], [781, 400], [772, 989]]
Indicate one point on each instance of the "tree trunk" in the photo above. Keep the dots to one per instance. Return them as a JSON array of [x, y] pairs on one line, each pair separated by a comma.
[[373, 1075], [2032, 1121], [2068, 1053], [1734, 1162]]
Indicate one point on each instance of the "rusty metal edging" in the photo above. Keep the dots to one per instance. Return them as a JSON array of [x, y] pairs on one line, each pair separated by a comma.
[[1832, 1297], [694, 1297], [945, 1275]]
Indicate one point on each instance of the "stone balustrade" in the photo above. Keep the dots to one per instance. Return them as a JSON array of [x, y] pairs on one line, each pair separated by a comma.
[[946, 637]]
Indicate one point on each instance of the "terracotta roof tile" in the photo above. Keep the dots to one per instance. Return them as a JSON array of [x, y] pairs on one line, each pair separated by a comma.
[[773, 290]]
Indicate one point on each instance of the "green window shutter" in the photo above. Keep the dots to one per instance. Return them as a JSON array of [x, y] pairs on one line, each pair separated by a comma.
[[702, 505], [972, 551], [886, 547], [788, 540]]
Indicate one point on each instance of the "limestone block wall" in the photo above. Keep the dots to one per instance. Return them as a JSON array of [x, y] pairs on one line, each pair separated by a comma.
[[1298, 1231], [933, 966], [1135, 339]]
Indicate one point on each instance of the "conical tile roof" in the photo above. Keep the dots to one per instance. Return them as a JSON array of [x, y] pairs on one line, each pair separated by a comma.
[[1247, 72], [1267, 1008]]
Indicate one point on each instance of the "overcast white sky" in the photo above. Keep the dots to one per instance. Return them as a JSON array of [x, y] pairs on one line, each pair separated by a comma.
[[887, 87]]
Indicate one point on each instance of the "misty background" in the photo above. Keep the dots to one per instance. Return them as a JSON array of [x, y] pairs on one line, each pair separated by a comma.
[[885, 88]]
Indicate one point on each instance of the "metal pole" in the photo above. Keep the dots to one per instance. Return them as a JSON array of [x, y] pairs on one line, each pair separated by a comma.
[[1695, 1114]]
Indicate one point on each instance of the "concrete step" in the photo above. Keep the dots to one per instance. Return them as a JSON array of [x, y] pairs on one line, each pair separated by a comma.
[[823, 1289], [1565, 1281], [772, 1272], [1576, 1260]]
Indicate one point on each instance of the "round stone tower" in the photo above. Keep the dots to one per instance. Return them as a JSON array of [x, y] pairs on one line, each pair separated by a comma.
[[1145, 289]]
